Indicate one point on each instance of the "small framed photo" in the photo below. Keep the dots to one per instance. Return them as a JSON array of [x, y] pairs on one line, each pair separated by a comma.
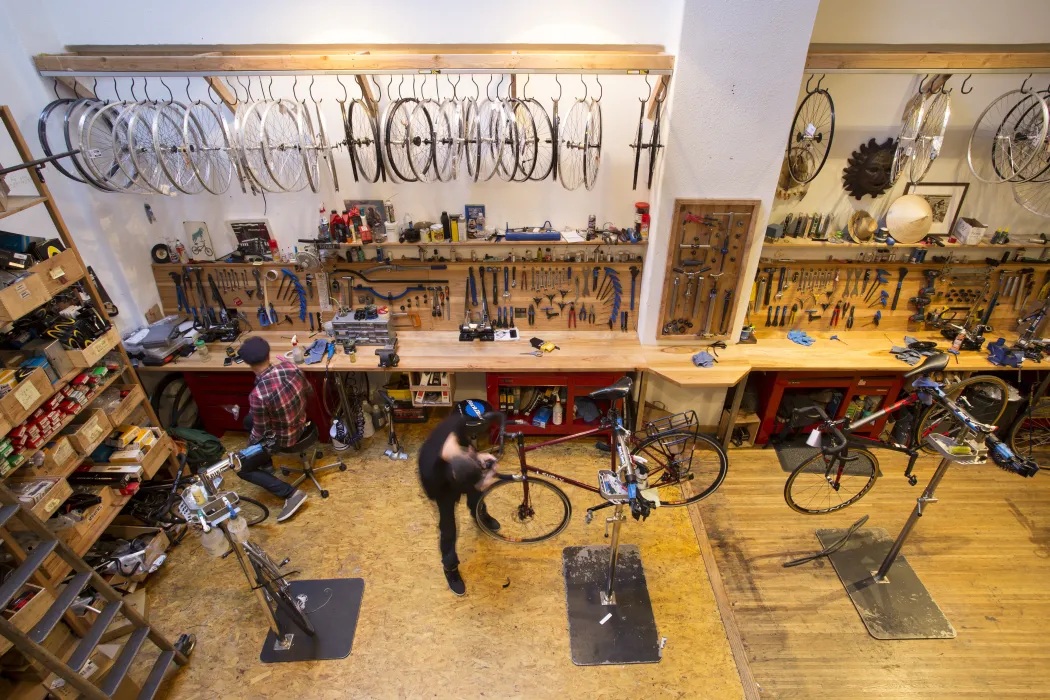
[[945, 199], [475, 215], [373, 211]]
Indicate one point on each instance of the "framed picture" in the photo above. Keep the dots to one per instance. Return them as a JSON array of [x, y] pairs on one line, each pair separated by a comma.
[[945, 199], [475, 216], [199, 240], [372, 210]]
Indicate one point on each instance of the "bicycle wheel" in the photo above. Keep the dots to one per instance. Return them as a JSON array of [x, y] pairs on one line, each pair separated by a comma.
[[983, 397], [572, 144], [910, 121], [824, 484], [531, 510], [812, 130], [276, 588], [253, 511], [363, 139], [173, 403], [1030, 434], [592, 155], [681, 457]]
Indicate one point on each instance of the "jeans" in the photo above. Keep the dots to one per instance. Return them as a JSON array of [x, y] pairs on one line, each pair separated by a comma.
[[447, 525], [271, 483]]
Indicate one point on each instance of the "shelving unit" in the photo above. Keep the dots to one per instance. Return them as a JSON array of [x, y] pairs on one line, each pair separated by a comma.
[[73, 270]]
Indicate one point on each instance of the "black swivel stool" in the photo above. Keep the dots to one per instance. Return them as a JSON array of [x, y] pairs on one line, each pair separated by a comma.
[[308, 454]]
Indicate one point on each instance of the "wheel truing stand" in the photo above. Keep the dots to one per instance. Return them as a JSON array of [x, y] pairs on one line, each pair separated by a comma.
[[897, 606]]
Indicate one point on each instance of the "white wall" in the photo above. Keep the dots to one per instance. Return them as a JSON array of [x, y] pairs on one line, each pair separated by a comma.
[[870, 106]]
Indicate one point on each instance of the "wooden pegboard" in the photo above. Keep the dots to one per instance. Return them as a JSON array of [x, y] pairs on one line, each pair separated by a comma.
[[960, 277], [706, 222], [454, 275]]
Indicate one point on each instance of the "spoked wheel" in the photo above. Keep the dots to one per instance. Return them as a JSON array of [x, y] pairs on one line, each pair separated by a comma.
[[451, 139], [324, 146], [572, 145], [1033, 196], [525, 141], [471, 138], [209, 154], [249, 127], [79, 113], [654, 143], [1030, 436], [48, 129], [824, 484], [491, 138], [397, 119], [362, 135], [173, 149], [683, 466], [910, 121], [276, 588], [592, 154], [544, 136], [173, 403], [531, 510], [309, 146], [120, 137], [1003, 142], [812, 131], [422, 138], [141, 148], [930, 136], [983, 397], [1023, 121], [99, 142]]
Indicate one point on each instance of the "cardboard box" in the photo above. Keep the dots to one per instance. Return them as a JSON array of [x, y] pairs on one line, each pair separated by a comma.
[[52, 498], [969, 231], [77, 534], [22, 297], [58, 455], [134, 397], [96, 351], [53, 352], [90, 427], [157, 456], [27, 396]]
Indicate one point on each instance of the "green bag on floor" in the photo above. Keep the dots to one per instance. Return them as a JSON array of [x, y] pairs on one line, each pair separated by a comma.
[[203, 448]]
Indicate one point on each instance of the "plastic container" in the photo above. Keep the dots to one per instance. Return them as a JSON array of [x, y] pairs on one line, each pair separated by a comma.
[[238, 528], [215, 542], [202, 350], [559, 412]]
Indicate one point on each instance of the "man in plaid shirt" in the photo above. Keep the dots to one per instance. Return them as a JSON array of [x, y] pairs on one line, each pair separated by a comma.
[[277, 405]]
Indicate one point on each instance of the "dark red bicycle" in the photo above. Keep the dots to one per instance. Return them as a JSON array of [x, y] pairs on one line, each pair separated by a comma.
[[672, 464]]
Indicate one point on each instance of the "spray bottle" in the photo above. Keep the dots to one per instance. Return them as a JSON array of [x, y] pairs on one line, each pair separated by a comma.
[[297, 351]]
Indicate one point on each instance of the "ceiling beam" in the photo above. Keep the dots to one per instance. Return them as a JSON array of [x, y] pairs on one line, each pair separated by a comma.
[[221, 89], [904, 58]]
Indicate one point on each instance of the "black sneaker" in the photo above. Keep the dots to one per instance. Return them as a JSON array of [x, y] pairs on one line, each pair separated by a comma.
[[455, 582], [487, 520]]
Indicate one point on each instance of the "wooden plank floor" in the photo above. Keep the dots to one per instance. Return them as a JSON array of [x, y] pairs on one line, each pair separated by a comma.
[[983, 551], [415, 639]]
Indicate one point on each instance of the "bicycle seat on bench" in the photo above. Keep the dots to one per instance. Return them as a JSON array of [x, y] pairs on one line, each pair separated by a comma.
[[620, 389], [933, 363]]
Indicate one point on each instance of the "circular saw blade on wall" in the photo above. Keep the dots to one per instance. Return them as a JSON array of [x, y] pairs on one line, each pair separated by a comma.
[[869, 168]]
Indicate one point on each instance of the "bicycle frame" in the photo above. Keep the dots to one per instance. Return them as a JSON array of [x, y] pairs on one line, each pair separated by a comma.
[[606, 428]]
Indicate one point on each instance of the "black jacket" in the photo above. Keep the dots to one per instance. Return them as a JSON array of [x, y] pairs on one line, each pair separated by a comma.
[[433, 470]]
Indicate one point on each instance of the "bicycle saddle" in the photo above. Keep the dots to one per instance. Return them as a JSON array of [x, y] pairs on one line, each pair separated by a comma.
[[309, 437], [933, 363], [620, 389]]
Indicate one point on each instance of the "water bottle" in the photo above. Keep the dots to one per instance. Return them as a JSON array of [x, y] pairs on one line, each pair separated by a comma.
[[215, 542], [238, 528]]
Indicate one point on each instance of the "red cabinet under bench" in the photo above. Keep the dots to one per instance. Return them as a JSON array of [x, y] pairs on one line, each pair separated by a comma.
[[573, 385]]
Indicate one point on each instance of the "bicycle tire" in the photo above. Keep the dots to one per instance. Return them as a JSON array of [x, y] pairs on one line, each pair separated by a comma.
[[654, 145], [798, 135], [505, 515], [273, 583], [985, 414], [178, 408], [718, 469], [253, 511], [1030, 434], [817, 463]]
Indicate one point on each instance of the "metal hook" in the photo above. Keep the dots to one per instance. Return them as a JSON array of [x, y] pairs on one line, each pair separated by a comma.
[[414, 96], [399, 85], [312, 98], [146, 90], [56, 88], [810, 78], [488, 88], [171, 98], [645, 99], [134, 97], [236, 94], [295, 85], [116, 91], [601, 88], [189, 100], [1025, 83], [477, 87], [75, 85], [94, 87], [528, 77], [662, 94], [269, 88], [819, 82], [346, 95], [379, 90], [556, 79], [213, 100], [423, 85], [584, 83], [455, 86], [437, 87], [499, 85], [921, 81]]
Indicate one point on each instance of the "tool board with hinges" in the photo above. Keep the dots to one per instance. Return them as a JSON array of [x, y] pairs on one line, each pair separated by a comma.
[[425, 296], [842, 296], [708, 249]]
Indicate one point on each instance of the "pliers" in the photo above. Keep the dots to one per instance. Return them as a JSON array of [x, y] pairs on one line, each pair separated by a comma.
[[572, 315], [835, 314]]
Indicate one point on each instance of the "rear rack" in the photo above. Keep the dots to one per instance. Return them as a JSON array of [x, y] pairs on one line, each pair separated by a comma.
[[679, 421], [676, 446]]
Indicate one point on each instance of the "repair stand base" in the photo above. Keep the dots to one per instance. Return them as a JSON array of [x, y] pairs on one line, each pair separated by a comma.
[[629, 636], [333, 606], [900, 607]]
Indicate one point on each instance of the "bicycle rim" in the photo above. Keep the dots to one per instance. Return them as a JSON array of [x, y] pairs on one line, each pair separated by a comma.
[[683, 466], [252, 511], [364, 142], [812, 131], [572, 139], [592, 155], [930, 137], [528, 511], [910, 121], [816, 487], [210, 156]]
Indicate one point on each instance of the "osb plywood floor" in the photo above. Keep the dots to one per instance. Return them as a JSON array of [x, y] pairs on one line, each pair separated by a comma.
[[983, 551], [415, 639]]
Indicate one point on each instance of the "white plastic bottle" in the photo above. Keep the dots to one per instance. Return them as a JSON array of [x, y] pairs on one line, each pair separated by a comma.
[[297, 351], [215, 542], [238, 527], [369, 428], [558, 411]]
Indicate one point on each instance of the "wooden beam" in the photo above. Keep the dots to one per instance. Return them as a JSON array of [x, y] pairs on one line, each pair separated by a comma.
[[220, 88], [301, 49], [275, 64], [367, 95], [931, 58], [659, 93]]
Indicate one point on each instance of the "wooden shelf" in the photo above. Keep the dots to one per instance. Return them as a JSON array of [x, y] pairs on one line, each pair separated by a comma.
[[57, 568], [927, 58], [17, 203], [500, 244], [787, 244]]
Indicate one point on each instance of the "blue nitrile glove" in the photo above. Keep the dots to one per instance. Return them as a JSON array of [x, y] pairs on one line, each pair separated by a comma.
[[316, 351], [800, 337], [703, 359]]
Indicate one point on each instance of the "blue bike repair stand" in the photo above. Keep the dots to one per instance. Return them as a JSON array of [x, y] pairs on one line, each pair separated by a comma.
[[610, 614], [892, 601]]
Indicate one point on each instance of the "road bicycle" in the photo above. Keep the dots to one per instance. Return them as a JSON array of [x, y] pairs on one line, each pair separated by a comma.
[[673, 464], [843, 472], [206, 508]]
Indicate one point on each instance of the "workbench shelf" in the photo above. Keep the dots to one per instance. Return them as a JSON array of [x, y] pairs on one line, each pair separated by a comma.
[[574, 385], [846, 245]]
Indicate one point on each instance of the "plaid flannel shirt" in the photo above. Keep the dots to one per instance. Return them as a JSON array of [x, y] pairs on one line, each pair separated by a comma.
[[278, 403]]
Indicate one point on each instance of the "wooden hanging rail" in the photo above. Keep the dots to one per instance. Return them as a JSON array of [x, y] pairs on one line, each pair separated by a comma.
[[354, 59], [905, 58]]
